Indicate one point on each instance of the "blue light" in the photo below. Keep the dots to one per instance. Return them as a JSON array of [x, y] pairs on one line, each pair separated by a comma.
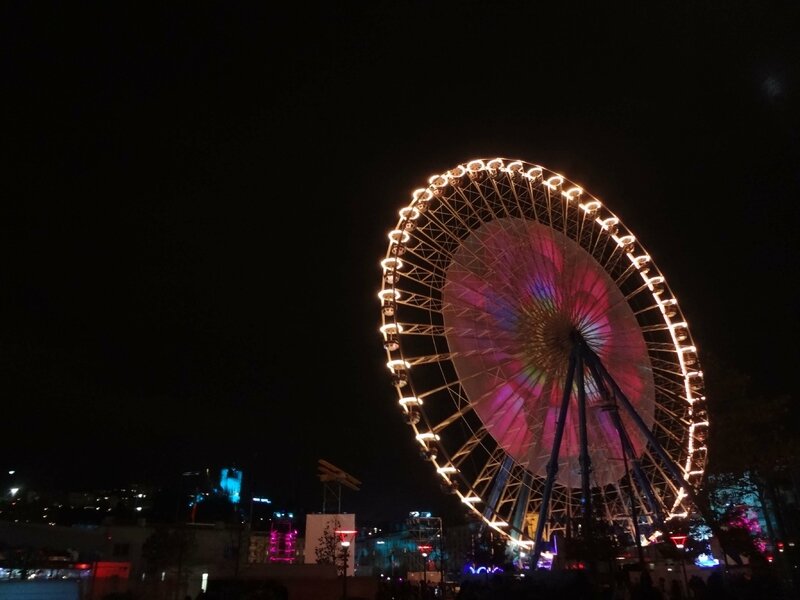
[[479, 570], [706, 560], [230, 481]]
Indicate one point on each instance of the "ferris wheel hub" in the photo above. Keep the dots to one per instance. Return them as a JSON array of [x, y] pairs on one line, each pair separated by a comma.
[[553, 335]]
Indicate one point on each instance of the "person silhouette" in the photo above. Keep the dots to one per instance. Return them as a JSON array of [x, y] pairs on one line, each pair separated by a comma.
[[697, 587], [645, 590]]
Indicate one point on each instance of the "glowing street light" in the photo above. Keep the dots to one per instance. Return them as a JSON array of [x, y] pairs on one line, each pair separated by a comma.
[[425, 549], [345, 537], [680, 543]]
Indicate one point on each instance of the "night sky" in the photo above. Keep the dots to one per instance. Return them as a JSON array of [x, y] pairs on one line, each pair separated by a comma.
[[195, 201]]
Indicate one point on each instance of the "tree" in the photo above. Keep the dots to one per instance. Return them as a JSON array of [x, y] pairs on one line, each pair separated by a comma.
[[742, 533], [327, 551], [742, 460]]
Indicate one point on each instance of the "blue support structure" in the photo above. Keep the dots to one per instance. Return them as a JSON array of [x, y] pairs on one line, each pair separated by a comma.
[[670, 466], [584, 460], [627, 449], [498, 486], [522, 506], [580, 357], [552, 466]]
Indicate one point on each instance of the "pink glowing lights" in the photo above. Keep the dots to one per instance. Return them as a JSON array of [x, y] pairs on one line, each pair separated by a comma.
[[515, 292]]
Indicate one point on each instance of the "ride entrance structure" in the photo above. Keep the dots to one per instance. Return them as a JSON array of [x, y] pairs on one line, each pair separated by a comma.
[[539, 356]]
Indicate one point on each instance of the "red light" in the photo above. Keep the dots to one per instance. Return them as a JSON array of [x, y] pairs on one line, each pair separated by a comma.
[[81, 566], [678, 540], [346, 533], [770, 558]]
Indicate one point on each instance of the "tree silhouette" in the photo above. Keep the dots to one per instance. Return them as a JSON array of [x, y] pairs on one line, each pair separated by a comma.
[[327, 551], [742, 460]]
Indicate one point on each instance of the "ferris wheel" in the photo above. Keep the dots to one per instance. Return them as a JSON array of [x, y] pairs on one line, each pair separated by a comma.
[[539, 356]]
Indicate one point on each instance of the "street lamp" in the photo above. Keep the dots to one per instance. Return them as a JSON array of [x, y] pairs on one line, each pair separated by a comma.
[[346, 536], [680, 543], [425, 550]]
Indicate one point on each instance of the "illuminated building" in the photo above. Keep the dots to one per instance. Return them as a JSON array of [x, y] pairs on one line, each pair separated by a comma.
[[230, 482]]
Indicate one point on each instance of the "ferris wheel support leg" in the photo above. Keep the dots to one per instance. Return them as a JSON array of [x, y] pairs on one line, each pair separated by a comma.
[[584, 460], [627, 448], [636, 467], [552, 466], [669, 464]]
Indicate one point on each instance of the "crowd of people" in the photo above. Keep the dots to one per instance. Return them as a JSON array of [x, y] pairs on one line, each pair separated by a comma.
[[579, 585]]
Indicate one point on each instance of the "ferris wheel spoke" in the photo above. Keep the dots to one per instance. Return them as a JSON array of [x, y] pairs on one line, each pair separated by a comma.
[[425, 330], [476, 190], [604, 245], [670, 381], [671, 403], [657, 464], [535, 198], [497, 489], [612, 261], [453, 418], [525, 208], [642, 289], [667, 374], [466, 449], [482, 261], [422, 273], [658, 327], [647, 309], [459, 216], [502, 196], [455, 240], [487, 474], [448, 386]]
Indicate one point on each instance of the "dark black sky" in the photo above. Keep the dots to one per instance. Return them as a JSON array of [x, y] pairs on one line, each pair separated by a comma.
[[195, 200]]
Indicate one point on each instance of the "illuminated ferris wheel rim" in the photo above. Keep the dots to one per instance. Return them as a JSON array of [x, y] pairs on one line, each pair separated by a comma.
[[557, 188]]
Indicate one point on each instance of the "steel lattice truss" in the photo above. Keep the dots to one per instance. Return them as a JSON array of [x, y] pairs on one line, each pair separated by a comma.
[[484, 269]]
